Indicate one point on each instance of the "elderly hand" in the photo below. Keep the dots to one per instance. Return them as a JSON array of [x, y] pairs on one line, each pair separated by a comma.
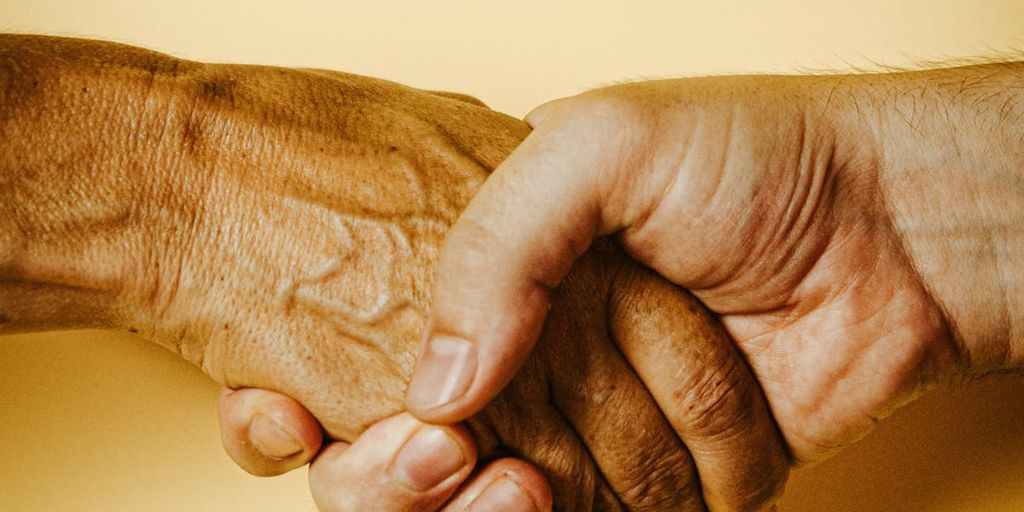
[[860, 236], [398, 464], [278, 228]]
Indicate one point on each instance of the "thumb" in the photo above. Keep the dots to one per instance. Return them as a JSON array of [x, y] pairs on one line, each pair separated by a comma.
[[515, 241]]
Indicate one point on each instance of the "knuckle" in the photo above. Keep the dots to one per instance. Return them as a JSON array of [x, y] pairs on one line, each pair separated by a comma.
[[748, 490], [714, 400], [573, 477], [761, 497], [604, 500], [472, 239], [594, 117], [664, 481], [615, 104], [720, 408]]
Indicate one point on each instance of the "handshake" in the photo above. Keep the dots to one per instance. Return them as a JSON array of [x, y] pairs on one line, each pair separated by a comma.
[[665, 296]]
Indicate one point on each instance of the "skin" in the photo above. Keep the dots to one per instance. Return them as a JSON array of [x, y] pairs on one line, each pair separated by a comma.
[[860, 237], [376, 471], [279, 228]]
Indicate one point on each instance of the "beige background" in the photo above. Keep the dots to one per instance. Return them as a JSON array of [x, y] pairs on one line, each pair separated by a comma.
[[100, 422]]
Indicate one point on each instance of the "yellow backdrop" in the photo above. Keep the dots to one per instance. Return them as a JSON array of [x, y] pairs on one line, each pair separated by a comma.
[[100, 422]]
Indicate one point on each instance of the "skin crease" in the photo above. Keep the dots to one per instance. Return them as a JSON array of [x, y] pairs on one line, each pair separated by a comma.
[[833, 360], [278, 228], [859, 236]]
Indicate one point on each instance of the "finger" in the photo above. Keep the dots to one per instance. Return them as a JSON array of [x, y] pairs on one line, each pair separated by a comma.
[[267, 433], [631, 441], [398, 464], [705, 389], [516, 240], [542, 432], [509, 485]]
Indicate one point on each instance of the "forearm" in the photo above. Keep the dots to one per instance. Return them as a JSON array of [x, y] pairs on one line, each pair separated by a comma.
[[221, 208], [951, 172], [85, 137]]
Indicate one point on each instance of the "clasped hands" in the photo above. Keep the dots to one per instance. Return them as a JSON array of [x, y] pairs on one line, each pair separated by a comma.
[[283, 229], [310, 288], [769, 198], [767, 205]]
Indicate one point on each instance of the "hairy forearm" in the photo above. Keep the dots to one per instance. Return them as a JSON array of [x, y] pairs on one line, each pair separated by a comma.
[[951, 171]]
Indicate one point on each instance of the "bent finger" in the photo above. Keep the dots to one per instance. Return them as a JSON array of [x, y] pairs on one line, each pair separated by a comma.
[[516, 240], [599, 395], [267, 433], [398, 464], [704, 388]]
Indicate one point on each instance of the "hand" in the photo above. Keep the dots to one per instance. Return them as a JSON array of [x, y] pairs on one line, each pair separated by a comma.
[[717, 410], [348, 272], [397, 465], [278, 228], [823, 218]]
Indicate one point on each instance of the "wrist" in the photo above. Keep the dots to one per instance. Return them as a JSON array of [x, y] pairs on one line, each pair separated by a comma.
[[953, 183], [83, 148]]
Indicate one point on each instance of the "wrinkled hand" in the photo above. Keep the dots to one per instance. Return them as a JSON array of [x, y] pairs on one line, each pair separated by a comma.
[[803, 210], [860, 236], [308, 215]]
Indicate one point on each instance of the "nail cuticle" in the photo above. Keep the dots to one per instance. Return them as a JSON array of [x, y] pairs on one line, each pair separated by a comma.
[[444, 374], [271, 439], [428, 458]]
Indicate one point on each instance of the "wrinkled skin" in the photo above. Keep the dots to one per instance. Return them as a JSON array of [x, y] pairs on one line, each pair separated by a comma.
[[278, 229], [312, 276], [859, 237]]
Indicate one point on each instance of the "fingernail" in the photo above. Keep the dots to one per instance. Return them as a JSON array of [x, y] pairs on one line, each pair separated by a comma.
[[428, 458], [271, 439], [505, 495], [443, 374]]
